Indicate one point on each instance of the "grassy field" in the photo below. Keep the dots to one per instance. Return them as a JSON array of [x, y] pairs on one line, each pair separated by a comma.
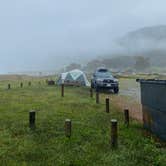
[[89, 144]]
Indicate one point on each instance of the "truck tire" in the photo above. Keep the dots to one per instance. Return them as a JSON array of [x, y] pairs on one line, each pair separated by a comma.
[[116, 90]]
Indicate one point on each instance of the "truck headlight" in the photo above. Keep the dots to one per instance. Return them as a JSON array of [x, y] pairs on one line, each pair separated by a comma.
[[99, 81], [116, 81]]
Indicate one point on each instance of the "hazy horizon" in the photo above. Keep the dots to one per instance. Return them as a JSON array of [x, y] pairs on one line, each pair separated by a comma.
[[45, 35]]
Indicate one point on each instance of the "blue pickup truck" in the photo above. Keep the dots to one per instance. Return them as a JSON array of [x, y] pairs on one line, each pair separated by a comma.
[[103, 79]]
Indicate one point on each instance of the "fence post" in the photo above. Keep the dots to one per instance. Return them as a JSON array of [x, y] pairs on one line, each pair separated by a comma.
[[91, 92], [68, 128], [97, 97], [107, 102], [62, 90], [9, 86], [29, 83], [21, 85], [114, 133], [32, 118], [126, 115]]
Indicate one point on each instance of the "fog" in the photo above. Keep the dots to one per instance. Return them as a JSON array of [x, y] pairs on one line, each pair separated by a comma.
[[41, 35]]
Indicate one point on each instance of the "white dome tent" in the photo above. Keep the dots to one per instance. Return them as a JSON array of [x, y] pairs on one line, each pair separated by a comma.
[[73, 77]]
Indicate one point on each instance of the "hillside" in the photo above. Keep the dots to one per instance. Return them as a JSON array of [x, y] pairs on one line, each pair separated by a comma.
[[153, 33], [145, 39], [156, 61], [147, 42]]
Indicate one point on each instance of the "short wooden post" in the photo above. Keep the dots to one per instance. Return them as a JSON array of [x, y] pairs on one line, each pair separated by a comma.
[[91, 92], [114, 133], [32, 118], [9, 86], [21, 84], [68, 128], [29, 83], [107, 103], [39, 83], [126, 116], [62, 90], [97, 97]]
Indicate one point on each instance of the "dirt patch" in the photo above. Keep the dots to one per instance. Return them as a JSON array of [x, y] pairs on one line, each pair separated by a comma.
[[130, 88], [129, 97], [135, 108]]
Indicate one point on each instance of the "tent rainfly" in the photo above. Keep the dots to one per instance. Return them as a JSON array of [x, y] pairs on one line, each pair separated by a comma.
[[73, 77]]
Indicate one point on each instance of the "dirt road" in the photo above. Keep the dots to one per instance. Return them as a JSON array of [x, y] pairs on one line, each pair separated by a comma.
[[129, 97]]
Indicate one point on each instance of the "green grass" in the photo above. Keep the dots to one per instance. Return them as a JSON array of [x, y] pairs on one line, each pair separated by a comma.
[[89, 144]]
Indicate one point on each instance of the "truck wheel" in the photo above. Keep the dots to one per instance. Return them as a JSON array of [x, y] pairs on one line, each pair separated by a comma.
[[116, 90]]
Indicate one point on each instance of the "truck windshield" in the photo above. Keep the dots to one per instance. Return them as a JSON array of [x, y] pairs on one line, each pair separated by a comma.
[[104, 74]]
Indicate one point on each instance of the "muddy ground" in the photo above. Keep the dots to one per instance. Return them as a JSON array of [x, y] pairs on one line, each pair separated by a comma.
[[129, 97]]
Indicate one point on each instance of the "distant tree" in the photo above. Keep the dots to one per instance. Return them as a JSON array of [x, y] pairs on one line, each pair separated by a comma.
[[142, 63], [73, 66]]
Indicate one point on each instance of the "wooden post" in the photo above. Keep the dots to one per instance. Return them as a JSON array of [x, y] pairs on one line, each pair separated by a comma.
[[62, 90], [21, 85], [29, 83], [91, 92], [68, 128], [39, 83], [32, 118], [126, 115], [9, 86], [107, 103], [114, 133], [97, 97]]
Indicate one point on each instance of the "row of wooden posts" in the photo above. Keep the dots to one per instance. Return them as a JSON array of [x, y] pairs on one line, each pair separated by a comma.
[[29, 83], [68, 126], [68, 122], [21, 84]]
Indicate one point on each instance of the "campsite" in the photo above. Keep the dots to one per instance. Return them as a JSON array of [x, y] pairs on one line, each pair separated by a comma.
[[82, 83], [89, 143]]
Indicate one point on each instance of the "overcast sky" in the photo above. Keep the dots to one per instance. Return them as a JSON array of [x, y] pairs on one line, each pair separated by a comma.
[[34, 33]]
